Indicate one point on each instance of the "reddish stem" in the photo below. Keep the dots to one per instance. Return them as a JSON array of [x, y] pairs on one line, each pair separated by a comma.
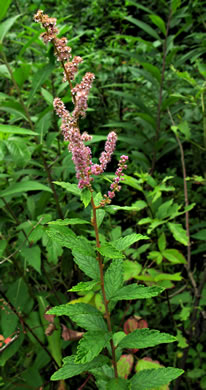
[[99, 259]]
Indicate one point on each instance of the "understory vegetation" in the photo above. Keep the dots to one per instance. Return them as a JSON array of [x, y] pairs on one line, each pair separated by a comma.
[[102, 259]]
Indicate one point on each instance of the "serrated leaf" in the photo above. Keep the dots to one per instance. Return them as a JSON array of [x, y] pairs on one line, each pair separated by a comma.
[[84, 286], [68, 221], [137, 206], [84, 257], [9, 129], [24, 186], [108, 250], [117, 384], [32, 257], [178, 232], [86, 196], [91, 345], [145, 338], [135, 291], [113, 278], [73, 188], [19, 151], [174, 256], [85, 315], [64, 238], [125, 242], [70, 368], [150, 379]]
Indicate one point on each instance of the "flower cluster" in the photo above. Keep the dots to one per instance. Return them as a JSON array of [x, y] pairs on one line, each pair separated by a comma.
[[81, 154], [119, 176], [71, 68]]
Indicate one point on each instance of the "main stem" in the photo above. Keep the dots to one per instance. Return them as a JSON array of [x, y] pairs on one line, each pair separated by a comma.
[[99, 259]]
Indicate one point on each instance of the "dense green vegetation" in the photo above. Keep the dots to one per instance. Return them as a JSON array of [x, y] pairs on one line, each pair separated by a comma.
[[150, 81]]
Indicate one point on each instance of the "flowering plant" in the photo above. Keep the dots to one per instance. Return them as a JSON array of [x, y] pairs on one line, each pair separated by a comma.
[[100, 348]]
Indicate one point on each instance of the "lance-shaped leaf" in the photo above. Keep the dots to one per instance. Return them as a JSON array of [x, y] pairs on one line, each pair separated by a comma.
[[69, 221], [179, 233], [24, 186], [73, 188], [150, 379], [64, 236], [85, 316], [70, 368], [108, 250], [84, 257], [125, 242], [144, 338], [134, 291], [84, 286], [91, 345], [114, 278]]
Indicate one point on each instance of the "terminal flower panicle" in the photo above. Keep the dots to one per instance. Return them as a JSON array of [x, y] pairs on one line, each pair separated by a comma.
[[81, 154]]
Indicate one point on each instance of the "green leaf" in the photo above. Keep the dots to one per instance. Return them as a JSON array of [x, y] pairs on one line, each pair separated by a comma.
[[85, 315], [174, 256], [8, 129], [125, 242], [84, 286], [108, 250], [143, 26], [68, 221], [184, 128], [4, 7], [162, 242], [85, 258], [137, 206], [14, 108], [178, 232], [19, 151], [4, 73], [71, 368], [131, 269], [159, 23], [145, 338], [5, 26], [73, 188], [86, 196], [150, 379], [201, 235], [175, 4], [33, 257], [39, 78], [24, 186], [47, 96], [113, 278], [135, 291], [117, 384], [64, 236], [91, 345], [155, 72]]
